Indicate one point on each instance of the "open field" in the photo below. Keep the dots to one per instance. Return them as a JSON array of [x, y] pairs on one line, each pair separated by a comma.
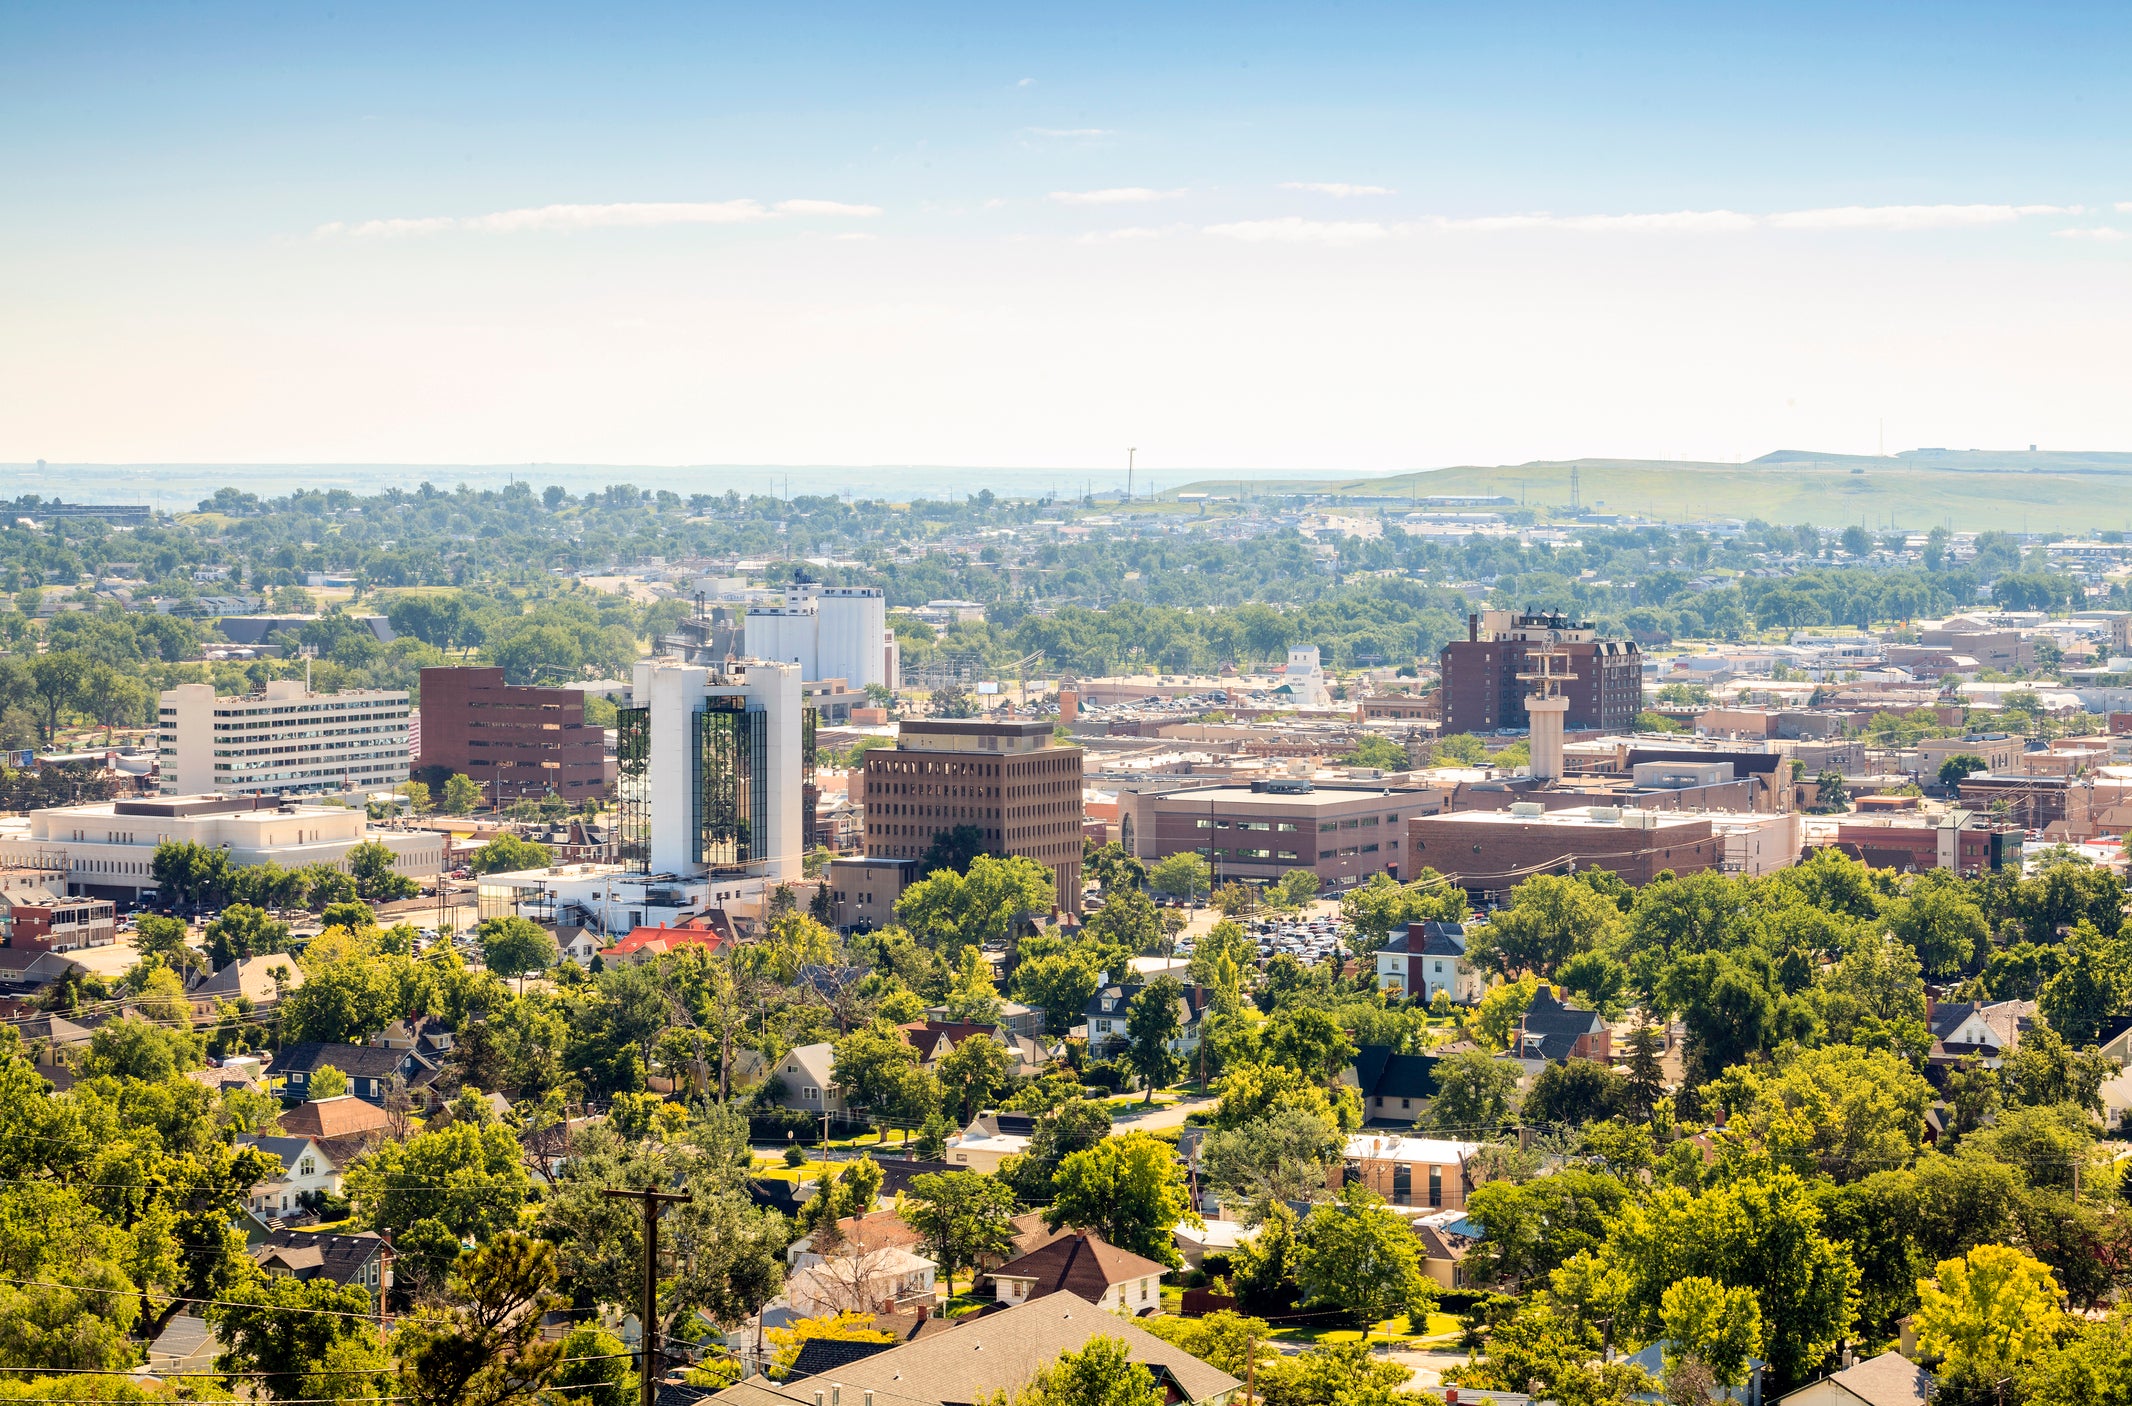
[[2041, 492]]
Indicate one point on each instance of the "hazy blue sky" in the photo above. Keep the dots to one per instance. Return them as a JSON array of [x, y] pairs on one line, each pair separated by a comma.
[[1328, 236]]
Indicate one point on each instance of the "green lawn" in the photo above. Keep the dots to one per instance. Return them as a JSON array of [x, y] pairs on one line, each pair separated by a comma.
[[1393, 1332]]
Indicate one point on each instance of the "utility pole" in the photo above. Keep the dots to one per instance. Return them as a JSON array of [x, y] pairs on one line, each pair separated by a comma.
[[648, 1309]]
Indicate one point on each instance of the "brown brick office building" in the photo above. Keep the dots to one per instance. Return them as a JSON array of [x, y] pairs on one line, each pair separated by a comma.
[[1009, 779], [1493, 851], [1482, 692], [513, 740]]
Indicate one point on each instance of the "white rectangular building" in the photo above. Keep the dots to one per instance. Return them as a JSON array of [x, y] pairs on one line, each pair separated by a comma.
[[107, 848], [283, 741]]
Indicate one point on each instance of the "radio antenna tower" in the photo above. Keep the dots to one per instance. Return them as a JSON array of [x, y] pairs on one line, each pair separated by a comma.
[[1129, 474], [1574, 503]]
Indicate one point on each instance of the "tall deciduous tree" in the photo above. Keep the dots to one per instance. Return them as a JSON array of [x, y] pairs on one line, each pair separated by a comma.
[[1356, 1254], [965, 1216], [1152, 1023], [1761, 1233], [1129, 1190]]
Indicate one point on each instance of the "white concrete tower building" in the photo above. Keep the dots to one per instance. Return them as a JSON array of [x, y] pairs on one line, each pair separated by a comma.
[[711, 770]]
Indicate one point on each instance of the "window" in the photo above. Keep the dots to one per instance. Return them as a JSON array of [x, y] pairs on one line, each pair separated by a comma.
[[1328, 826], [810, 1093], [1284, 854], [306, 1168], [1402, 1184], [1436, 1186], [1325, 854], [1285, 825], [1350, 825], [1370, 848], [1202, 824]]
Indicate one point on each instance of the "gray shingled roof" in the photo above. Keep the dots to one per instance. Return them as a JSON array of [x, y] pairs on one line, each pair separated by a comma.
[[995, 1352]]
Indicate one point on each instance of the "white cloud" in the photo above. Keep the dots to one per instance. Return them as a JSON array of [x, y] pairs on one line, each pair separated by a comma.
[[824, 207], [1295, 230], [630, 215], [852, 234], [1132, 233], [2099, 232], [1335, 188], [2124, 207], [1026, 83], [1671, 221], [1070, 133], [1116, 195], [1911, 217]]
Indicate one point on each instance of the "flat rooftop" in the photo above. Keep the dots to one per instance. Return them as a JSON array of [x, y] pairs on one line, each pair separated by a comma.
[[1320, 794], [1577, 817]]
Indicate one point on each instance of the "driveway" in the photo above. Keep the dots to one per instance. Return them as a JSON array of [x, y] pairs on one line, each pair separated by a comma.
[[1163, 1115]]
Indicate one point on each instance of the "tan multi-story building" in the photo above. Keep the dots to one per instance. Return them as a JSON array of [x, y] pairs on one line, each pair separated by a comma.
[[283, 740], [1009, 780]]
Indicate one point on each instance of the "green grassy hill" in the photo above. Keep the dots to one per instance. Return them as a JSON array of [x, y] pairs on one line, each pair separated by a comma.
[[1967, 490]]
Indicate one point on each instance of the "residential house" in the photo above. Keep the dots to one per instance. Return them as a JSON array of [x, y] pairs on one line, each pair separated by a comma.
[[866, 1281], [990, 1140], [1446, 1238], [578, 944], [935, 1039], [996, 1354], [711, 931], [364, 1259], [1987, 1031], [26, 972], [806, 1081], [425, 1035], [1427, 958], [48, 1036], [370, 1068], [1395, 1087], [1106, 1011], [185, 1345], [1027, 1233], [1409, 1171], [1653, 1361], [1552, 1030], [261, 980], [344, 1127], [1887, 1380], [1084, 1264], [304, 1170], [876, 1230], [1216, 1237], [1015, 1017]]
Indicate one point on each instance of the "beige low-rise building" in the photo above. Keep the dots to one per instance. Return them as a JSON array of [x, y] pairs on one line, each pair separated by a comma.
[[108, 847]]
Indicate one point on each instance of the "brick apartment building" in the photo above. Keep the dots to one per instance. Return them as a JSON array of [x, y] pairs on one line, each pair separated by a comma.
[[1482, 691], [1019, 788], [513, 740]]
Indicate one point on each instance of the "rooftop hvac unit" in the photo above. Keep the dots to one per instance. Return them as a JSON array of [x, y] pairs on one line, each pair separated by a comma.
[[1528, 810], [1639, 819], [1606, 814]]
